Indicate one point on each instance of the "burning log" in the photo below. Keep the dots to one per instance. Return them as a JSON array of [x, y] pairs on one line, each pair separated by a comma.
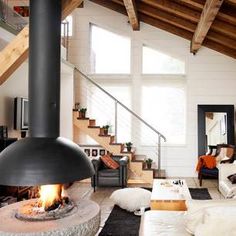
[[52, 204]]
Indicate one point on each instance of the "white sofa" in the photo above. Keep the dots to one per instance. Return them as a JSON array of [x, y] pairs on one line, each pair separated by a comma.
[[201, 219], [227, 189]]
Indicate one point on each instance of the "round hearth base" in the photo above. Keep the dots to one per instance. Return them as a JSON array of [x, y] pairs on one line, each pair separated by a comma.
[[85, 222]]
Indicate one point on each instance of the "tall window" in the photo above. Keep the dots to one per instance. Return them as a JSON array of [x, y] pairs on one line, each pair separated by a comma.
[[110, 52], [155, 62], [163, 106]]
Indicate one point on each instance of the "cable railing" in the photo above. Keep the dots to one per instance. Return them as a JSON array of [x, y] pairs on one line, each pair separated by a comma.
[[128, 129], [117, 105]]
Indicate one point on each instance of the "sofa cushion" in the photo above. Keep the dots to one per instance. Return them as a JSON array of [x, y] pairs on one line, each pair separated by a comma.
[[228, 188], [232, 178], [196, 209], [222, 216], [109, 162], [131, 199], [165, 223], [208, 171], [108, 173]]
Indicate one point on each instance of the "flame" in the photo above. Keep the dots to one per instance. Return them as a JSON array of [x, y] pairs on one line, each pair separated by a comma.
[[49, 194]]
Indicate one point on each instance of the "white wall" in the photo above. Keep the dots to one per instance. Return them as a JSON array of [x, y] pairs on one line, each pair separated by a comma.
[[210, 76], [67, 101], [17, 86]]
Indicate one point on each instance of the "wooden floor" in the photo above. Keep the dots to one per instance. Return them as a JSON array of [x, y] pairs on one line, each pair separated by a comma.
[[101, 196]]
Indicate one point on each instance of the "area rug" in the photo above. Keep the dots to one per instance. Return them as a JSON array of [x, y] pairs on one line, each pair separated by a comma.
[[123, 223], [200, 193]]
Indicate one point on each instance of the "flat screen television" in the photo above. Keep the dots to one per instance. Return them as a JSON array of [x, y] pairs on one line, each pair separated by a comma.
[[21, 111]]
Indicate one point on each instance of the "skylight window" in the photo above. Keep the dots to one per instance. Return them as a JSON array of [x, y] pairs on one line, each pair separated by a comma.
[[110, 52], [155, 62]]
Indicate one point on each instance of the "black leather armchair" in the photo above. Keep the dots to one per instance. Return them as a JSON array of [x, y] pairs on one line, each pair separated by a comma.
[[110, 177]]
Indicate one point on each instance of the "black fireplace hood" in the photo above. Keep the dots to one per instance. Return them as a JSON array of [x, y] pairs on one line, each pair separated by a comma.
[[44, 157]]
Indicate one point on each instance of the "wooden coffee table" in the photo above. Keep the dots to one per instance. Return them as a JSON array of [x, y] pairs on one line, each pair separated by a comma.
[[168, 196]]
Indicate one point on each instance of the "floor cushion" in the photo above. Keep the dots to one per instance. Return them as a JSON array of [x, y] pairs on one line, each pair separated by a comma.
[[131, 199]]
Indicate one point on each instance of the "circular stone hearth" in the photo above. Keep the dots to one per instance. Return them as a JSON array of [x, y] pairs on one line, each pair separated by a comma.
[[30, 212], [84, 222]]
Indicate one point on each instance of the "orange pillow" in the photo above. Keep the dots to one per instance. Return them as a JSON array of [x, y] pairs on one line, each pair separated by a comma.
[[109, 162]]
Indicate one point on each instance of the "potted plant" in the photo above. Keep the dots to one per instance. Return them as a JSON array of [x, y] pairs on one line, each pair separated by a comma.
[[105, 129], [76, 106], [82, 112], [149, 163], [129, 146]]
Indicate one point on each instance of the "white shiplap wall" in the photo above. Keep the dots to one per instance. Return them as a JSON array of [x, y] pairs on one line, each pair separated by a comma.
[[210, 76]]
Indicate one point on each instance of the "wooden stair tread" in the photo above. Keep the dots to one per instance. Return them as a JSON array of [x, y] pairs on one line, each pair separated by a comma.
[[136, 181], [131, 152], [116, 143], [86, 118], [161, 176], [137, 161], [93, 127]]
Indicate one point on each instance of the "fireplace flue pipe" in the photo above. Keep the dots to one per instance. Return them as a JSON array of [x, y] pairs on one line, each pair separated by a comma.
[[44, 68]]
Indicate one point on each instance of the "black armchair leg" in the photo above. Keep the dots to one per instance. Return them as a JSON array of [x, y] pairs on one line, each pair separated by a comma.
[[200, 180], [94, 184]]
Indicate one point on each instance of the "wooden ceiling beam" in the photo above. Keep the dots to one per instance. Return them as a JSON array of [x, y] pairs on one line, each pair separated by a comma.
[[175, 8], [221, 39], [166, 17], [198, 5], [68, 6], [165, 26], [114, 5], [16, 52], [220, 48], [224, 28], [232, 1], [130, 6], [208, 15], [227, 13]]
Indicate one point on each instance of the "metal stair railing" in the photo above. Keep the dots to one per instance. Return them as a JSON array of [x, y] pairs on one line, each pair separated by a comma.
[[160, 136]]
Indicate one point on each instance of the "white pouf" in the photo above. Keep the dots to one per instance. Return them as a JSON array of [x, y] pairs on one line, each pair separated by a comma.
[[131, 199]]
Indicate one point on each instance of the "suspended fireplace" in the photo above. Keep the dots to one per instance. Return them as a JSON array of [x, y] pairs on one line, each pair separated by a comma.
[[44, 159]]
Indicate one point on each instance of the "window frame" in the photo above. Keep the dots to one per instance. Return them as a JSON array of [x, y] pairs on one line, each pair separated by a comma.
[[119, 33]]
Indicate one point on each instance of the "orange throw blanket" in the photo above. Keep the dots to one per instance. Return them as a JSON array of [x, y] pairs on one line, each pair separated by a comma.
[[206, 161]]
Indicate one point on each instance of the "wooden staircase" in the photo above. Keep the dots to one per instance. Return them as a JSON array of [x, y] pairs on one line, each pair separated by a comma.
[[138, 174]]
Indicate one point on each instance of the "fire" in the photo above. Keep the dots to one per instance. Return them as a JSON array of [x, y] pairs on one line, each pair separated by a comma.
[[50, 194]]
